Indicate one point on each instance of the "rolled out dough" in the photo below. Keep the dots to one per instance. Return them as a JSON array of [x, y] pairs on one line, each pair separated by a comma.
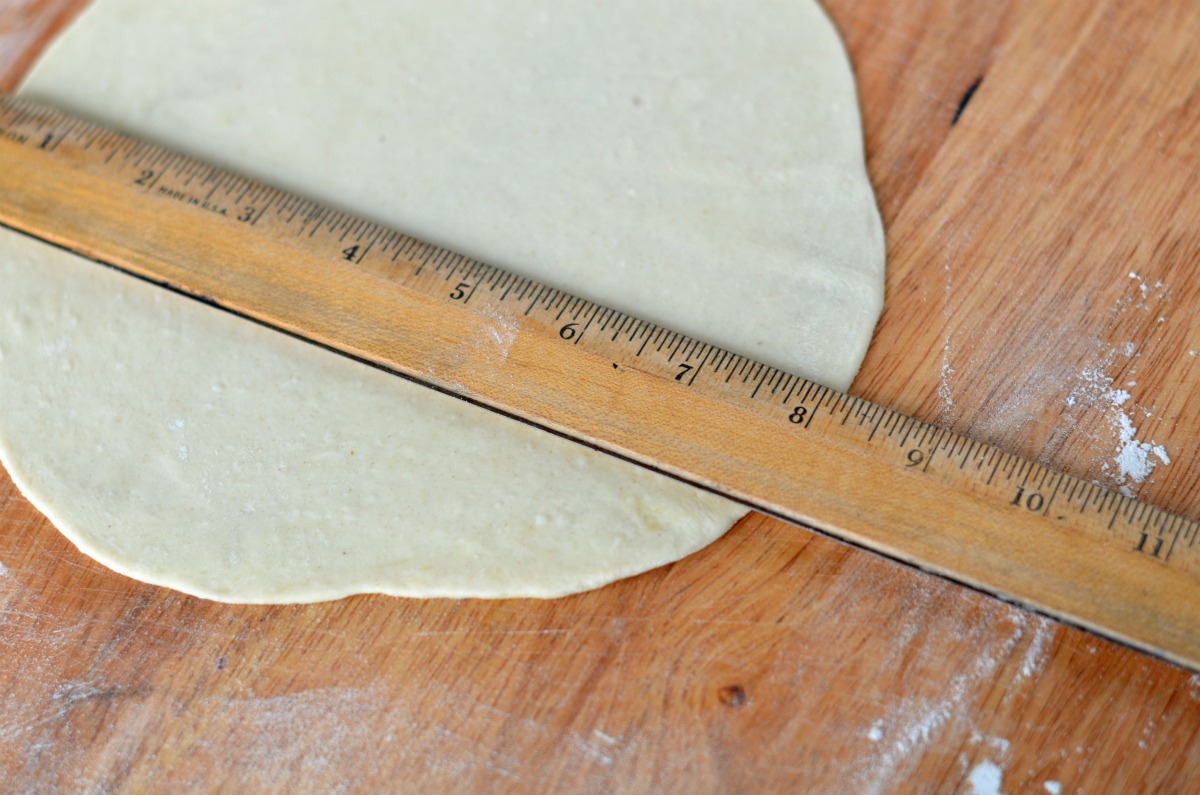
[[697, 164]]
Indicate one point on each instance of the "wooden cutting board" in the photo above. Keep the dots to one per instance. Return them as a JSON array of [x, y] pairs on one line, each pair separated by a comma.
[[1044, 255]]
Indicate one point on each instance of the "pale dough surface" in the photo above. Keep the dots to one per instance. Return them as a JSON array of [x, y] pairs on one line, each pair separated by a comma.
[[699, 164], [190, 448]]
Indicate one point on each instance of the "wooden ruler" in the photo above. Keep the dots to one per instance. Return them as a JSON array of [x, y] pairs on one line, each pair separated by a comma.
[[778, 443]]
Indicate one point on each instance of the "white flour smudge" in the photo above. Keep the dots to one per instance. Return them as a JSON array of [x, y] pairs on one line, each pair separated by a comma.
[[500, 336], [875, 734], [1133, 456], [1150, 293], [999, 744], [911, 725], [1019, 404], [493, 346], [1053, 787], [1036, 655], [591, 750], [1125, 461], [987, 776], [1133, 459], [985, 779], [314, 730], [607, 739], [945, 391]]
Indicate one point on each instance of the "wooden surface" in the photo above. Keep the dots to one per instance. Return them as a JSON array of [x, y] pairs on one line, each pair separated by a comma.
[[1042, 264]]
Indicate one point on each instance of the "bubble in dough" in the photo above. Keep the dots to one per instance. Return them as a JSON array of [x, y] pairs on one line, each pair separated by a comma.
[[696, 164]]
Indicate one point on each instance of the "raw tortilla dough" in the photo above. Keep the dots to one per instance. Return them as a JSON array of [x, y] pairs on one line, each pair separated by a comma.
[[696, 164]]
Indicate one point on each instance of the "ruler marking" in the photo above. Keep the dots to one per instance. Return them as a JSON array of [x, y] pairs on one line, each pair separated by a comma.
[[758, 386], [619, 328], [875, 428], [722, 358], [1057, 480], [696, 371], [1173, 534], [561, 311], [813, 413], [679, 342], [537, 297], [785, 386], [512, 283], [937, 440], [968, 454]]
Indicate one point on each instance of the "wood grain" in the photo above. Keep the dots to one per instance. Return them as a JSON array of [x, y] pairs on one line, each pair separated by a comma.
[[774, 660]]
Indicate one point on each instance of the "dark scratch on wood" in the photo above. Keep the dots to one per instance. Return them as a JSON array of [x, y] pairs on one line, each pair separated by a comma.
[[966, 98]]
